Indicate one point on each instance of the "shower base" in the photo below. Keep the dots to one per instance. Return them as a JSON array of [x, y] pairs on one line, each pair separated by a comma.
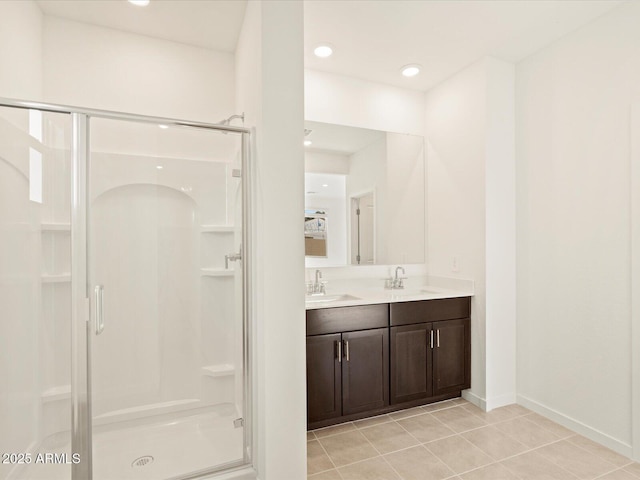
[[162, 447]]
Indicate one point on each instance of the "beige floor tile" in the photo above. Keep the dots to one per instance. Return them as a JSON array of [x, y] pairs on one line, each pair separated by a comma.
[[550, 425], [494, 471], [434, 407], [310, 436], [328, 475], [526, 432], [459, 419], [317, 459], [389, 437], [532, 466], [334, 430], [369, 422], [409, 412], [425, 427], [600, 450], [346, 448], [576, 460], [460, 401], [458, 454], [494, 416], [373, 469], [498, 445], [418, 463], [517, 410], [620, 474], [633, 469]]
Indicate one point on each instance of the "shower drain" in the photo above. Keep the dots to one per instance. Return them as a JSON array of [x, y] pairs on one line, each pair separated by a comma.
[[142, 461]]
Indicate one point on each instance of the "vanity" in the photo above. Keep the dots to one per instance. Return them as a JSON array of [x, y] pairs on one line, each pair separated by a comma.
[[374, 354], [379, 345]]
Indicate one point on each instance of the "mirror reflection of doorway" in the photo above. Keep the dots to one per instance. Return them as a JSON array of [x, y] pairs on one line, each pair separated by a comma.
[[362, 228]]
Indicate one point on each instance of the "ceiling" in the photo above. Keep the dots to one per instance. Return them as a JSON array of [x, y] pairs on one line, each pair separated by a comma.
[[210, 24], [372, 39]]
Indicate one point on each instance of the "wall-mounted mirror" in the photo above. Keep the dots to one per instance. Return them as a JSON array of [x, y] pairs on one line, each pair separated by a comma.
[[370, 187]]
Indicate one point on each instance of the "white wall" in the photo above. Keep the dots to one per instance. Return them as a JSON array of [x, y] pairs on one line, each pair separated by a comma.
[[102, 68], [342, 100], [573, 209], [20, 50], [470, 187], [269, 75]]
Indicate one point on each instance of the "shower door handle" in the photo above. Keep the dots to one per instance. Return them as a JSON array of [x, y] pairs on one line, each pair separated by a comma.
[[98, 295]]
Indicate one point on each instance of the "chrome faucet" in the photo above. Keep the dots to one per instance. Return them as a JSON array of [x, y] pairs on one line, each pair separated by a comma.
[[397, 282], [317, 287]]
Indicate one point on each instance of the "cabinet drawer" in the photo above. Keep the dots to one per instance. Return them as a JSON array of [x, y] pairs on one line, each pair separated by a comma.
[[407, 313], [346, 319]]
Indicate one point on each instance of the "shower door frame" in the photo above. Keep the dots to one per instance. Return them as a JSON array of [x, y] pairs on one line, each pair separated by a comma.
[[81, 319]]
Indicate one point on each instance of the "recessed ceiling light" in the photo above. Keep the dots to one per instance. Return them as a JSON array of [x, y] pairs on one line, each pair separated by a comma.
[[163, 126], [307, 143], [323, 50], [139, 3], [159, 167], [410, 70], [325, 184]]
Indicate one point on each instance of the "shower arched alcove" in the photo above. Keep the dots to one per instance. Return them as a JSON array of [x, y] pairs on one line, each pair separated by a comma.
[[125, 344]]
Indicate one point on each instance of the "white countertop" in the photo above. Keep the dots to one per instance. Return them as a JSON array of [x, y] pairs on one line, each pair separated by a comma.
[[353, 297]]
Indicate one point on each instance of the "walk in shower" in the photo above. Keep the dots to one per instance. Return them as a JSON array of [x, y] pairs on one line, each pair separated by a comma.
[[124, 341]]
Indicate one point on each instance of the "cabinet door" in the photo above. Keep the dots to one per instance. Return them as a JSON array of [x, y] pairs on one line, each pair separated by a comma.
[[451, 356], [410, 363], [324, 378], [365, 370]]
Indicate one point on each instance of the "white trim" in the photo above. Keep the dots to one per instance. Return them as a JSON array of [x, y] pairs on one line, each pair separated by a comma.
[[500, 401], [479, 402], [634, 133], [578, 427], [489, 404]]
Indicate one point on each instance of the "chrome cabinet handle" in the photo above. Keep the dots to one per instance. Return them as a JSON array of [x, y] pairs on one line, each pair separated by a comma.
[[339, 351], [98, 294], [438, 338], [346, 349], [431, 338]]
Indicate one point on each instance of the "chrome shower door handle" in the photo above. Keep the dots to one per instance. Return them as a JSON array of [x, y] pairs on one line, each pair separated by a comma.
[[98, 297]]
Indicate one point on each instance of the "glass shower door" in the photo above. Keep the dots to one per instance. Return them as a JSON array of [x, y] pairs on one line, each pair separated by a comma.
[[166, 286], [35, 294]]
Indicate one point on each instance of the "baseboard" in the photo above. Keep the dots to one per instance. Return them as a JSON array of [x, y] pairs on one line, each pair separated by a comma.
[[501, 401], [489, 404], [578, 427], [479, 402]]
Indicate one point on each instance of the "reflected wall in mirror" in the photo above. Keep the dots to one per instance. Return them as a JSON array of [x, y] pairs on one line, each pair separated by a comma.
[[371, 184]]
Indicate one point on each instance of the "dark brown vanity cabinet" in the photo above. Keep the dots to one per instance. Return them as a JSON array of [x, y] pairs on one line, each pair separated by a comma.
[[347, 361], [373, 359], [430, 348]]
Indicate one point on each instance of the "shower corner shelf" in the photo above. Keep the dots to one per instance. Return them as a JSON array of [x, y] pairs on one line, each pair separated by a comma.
[[220, 370], [217, 228], [216, 272], [53, 394], [55, 227], [57, 278]]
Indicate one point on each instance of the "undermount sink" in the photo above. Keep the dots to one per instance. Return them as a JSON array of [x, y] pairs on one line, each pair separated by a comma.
[[330, 298]]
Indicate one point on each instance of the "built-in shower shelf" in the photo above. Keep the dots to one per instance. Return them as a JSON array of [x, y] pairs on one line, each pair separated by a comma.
[[221, 370], [58, 278], [55, 227], [217, 228], [216, 272], [62, 392]]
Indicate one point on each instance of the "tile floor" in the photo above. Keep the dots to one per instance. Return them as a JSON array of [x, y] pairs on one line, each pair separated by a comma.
[[458, 441]]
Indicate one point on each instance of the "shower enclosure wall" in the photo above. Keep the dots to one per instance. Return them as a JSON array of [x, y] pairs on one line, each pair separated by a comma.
[[123, 339]]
